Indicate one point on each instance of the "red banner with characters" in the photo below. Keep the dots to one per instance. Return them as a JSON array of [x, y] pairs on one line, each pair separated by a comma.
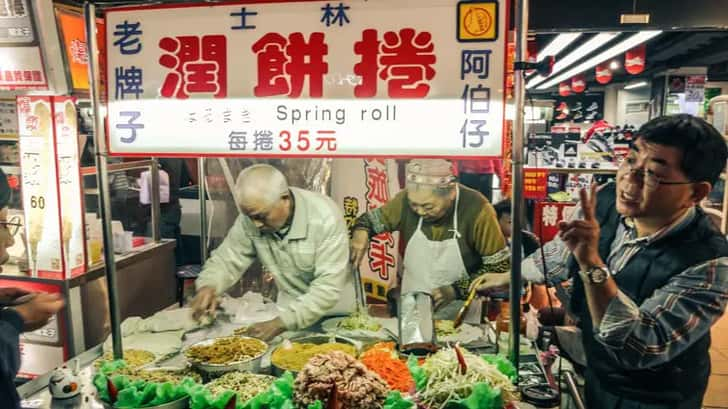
[[358, 186], [547, 216], [535, 183]]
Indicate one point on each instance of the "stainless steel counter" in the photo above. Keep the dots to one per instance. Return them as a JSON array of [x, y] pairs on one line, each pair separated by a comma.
[[35, 394]]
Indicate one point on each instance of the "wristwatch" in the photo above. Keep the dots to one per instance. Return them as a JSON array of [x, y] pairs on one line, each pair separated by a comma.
[[595, 275]]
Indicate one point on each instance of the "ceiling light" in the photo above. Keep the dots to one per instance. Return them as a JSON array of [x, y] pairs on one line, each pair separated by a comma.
[[574, 56], [636, 85], [623, 46], [614, 65], [557, 45]]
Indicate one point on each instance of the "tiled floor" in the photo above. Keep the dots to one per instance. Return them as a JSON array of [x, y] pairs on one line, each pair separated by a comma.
[[717, 394]]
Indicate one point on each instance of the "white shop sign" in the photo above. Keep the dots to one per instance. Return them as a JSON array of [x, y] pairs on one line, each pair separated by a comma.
[[310, 78]]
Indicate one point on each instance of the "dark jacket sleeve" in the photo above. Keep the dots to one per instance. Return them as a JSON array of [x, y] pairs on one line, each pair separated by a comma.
[[11, 325]]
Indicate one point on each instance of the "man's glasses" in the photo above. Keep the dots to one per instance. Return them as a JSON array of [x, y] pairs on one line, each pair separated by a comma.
[[12, 225], [649, 179]]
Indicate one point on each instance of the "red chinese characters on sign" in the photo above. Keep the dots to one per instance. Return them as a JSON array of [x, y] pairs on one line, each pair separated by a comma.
[[285, 63], [325, 140], [404, 59], [199, 65], [377, 192], [381, 260], [23, 105], [547, 216], [381, 251], [32, 122], [535, 183]]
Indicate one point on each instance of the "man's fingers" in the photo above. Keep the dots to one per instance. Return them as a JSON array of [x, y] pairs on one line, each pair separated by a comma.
[[584, 202], [581, 225], [588, 202], [575, 236]]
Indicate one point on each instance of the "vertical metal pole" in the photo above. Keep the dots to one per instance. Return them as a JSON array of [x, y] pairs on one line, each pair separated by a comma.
[[156, 212], [203, 209], [517, 203], [103, 176], [724, 218], [665, 94]]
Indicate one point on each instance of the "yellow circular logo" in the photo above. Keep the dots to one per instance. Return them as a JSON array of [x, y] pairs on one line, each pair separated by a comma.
[[477, 21]]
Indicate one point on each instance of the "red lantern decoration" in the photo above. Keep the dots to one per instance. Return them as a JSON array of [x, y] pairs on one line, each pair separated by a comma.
[[532, 53], [634, 59], [603, 74], [578, 84], [564, 89]]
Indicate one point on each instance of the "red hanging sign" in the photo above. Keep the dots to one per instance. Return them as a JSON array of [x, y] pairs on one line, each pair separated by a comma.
[[578, 84], [634, 59], [564, 89], [603, 74], [535, 183], [532, 54], [547, 216]]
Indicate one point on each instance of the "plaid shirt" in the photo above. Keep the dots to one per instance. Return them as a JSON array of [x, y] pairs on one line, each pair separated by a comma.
[[664, 325]]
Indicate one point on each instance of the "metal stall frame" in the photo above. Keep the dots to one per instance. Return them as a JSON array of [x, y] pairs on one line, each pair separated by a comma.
[[521, 28], [102, 175]]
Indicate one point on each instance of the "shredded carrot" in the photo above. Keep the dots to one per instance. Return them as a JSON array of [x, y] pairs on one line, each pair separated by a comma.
[[382, 346], [381, 359]]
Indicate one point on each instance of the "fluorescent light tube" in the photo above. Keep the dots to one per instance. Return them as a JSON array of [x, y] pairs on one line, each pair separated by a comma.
[[574, 56], [559, 43], [620, 48], [635, 85]]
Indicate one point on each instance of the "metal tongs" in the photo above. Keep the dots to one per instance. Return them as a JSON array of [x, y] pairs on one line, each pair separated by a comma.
[[361, 302]]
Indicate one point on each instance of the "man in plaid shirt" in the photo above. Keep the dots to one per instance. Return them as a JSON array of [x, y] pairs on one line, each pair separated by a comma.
[[650, 270]]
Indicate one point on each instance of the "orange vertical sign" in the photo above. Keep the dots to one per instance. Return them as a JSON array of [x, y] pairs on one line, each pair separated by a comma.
[[73, 33], [76, 48]]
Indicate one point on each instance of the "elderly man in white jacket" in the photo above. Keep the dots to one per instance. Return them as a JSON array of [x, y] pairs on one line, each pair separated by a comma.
[[299, 236]]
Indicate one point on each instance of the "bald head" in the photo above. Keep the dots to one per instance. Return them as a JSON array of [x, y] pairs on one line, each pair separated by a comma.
[[262, 194], [260, 185]]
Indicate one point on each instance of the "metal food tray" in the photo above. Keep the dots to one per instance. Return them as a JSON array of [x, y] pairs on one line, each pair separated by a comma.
[[312, 339], [249, 365]]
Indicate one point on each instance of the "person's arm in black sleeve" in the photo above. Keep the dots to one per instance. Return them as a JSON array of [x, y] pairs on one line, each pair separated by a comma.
[[11, 325]]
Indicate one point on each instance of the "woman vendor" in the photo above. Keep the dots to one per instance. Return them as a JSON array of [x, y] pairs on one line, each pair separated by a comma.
[[451, 233]]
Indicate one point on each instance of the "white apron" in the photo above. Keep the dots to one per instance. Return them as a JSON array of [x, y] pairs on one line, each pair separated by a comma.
[[432, 264]]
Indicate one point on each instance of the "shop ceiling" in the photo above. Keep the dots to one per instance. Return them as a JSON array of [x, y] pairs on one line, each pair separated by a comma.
[[668, 50], [694, 34], [585, 15]]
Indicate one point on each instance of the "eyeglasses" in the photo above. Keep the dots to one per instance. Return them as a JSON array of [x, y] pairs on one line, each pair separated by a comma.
[[12, 225], [648, 177]]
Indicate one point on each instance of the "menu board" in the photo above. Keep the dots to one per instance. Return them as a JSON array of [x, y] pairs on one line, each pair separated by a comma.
[[51, 186], [69, 184]]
